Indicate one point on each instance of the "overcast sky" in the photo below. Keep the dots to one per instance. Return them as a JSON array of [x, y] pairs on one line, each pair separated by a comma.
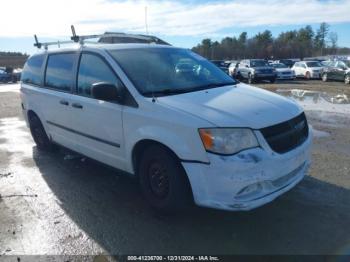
[[183, 23]]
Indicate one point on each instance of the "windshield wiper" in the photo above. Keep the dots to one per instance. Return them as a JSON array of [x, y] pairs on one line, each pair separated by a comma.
[[168, 91]]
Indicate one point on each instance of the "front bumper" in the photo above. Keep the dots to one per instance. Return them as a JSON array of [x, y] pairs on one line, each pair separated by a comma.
[[248, 179], [262, 76], [283, 76]]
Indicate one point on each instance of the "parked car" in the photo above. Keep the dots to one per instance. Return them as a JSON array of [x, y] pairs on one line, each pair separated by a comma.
[[7, 74], [337, 70], [199, 136], [233, 68], [283, 71], [255, 70], [5, 77], [17, 74], [288, 62], [223, 65], [308, 69]]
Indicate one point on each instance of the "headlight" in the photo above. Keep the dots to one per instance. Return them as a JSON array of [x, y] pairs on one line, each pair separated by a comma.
[[227, 141]]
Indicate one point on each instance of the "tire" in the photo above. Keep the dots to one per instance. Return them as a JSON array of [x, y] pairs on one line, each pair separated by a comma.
[[272, 80], [308, 75], [324, 77], [163, 180], [250, 79], [347, 79], [39, 135]]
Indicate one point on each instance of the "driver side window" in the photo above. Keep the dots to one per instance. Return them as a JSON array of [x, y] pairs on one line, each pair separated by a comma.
[[93, 69]]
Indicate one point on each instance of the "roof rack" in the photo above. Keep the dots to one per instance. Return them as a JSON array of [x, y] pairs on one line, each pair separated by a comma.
[[47, 44], [107, 37]]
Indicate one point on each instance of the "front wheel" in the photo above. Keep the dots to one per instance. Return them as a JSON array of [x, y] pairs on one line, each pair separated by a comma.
[[308, 75], [163, 180], [347, 79], [324, 77], [250, 79]]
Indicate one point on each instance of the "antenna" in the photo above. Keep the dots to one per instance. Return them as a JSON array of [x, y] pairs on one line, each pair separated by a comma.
[[146, 23]]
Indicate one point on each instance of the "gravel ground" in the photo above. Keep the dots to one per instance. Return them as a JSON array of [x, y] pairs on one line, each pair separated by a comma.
[[59, 204]]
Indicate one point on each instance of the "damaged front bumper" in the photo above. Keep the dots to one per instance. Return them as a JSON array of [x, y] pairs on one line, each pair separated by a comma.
[[248, 179]]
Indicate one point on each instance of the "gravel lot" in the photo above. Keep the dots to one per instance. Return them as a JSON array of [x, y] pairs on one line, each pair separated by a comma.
[[60, 204]]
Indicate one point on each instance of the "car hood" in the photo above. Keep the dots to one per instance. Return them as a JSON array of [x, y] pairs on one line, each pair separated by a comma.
[[235, 106], [315, 68]]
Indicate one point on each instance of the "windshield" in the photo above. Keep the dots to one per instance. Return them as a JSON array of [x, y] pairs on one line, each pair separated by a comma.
[[347, 63], [166, 71], [257, 63], [279, 66], [313, 64]]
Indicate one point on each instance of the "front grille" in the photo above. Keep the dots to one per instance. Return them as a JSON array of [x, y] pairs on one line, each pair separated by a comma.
[[266, 71], [287, 135]]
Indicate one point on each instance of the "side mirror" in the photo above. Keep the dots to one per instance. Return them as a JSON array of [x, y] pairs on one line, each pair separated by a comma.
[[107, 92], [247, 66]]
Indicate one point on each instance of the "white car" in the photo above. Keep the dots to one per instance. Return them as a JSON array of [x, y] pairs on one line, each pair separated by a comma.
[[188, 135], [283, 71], [308, 69]]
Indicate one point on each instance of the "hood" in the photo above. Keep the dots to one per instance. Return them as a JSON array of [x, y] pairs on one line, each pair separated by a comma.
[[315, 68], [235, 106]]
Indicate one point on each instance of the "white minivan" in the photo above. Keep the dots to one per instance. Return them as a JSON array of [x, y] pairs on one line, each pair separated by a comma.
[[185, 129]]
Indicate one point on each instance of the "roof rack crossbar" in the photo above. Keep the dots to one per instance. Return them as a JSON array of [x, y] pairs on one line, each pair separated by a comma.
[[47, 44]]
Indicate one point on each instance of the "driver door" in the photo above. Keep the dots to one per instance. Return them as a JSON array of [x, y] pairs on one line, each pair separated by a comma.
[[97, 125]]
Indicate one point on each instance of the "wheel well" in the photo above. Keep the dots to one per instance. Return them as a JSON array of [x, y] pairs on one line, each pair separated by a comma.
[[31, 114], [142, 145]]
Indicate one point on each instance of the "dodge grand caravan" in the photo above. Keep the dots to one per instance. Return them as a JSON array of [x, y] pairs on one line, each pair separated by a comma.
[[191, 135]]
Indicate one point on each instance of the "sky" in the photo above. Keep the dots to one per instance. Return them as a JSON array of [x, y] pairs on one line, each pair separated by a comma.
[[181, 23]]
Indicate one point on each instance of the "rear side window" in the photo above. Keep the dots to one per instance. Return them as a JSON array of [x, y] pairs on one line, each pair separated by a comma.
[[32, 70], [93, 69], [59, 72]]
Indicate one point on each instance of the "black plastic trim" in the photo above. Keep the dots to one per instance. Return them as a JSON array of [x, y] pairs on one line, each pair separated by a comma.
[[194, 161], [83, 134]]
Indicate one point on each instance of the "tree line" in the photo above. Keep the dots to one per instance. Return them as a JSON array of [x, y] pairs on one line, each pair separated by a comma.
[[290, 44]]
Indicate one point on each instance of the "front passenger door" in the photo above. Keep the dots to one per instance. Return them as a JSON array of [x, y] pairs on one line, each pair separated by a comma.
[[97, 124]]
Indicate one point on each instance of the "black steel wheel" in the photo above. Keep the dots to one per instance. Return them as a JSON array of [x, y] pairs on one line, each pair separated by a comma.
[[163, 180]]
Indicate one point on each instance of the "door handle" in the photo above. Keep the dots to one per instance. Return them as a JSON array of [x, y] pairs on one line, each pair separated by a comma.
[[64, 102], [76, 105]]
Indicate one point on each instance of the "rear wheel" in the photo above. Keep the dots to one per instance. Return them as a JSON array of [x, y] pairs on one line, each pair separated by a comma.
[[324, 77], [308, 75], [347, 79], [39, 135], [163, 180]]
